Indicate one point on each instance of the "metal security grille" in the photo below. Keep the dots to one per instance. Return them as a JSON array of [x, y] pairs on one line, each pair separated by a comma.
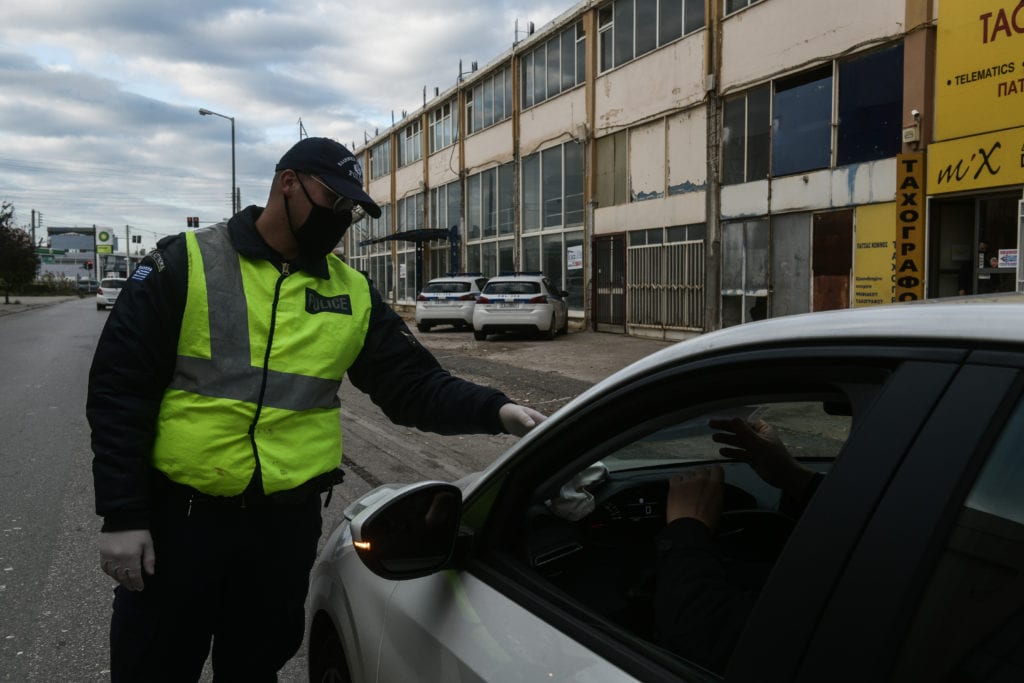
[[666, 285]]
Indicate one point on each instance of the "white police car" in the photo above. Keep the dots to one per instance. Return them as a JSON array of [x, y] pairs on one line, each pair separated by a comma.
[[521, 302], [448, 300]]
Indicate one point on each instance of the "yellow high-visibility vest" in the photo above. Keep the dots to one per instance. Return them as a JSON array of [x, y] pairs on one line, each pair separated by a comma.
[[261, 356]]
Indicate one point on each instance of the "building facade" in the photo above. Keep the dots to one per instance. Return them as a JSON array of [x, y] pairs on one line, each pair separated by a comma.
[[682, 165]]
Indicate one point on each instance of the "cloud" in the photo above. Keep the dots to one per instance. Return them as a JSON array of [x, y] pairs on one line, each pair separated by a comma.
[[99, 120]]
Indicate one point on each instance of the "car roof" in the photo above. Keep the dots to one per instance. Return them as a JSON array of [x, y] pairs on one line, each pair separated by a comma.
[[962, 323], [456, 278], [517, 276]]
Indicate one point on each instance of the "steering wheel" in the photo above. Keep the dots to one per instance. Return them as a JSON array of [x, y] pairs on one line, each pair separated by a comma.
[[753, 535]]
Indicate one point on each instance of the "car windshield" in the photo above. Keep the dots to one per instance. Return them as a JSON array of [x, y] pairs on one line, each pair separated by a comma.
[[446, 287], [517, 287], [807, 428], [112, 283]]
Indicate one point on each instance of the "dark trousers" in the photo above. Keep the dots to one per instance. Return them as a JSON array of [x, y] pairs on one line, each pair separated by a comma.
[[231, 576]]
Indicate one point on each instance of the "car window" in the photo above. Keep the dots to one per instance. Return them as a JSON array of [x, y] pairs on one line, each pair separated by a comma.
[[112, 283], [512, 287], [970, 623], [600, 538], [446, 287]]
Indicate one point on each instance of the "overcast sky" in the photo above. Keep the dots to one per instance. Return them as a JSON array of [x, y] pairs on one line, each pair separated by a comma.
[[99, 99]]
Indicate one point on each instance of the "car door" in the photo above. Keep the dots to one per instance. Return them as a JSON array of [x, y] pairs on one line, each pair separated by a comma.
[[933, 590], [497, 612]]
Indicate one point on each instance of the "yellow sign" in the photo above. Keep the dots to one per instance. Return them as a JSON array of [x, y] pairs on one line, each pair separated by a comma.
[[104, 249], [977, 162], [979, 67], [874, 255], [910, 194]]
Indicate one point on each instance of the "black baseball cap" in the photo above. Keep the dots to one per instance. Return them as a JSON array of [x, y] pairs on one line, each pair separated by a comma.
[[332, 163]]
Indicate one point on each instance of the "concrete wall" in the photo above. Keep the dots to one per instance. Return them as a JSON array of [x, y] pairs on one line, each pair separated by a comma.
[[868, 183], [668, 79], [781, 35], [558, 119], [489, 147]]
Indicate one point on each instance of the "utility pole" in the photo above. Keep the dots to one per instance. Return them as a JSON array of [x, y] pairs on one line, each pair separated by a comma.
[[127, 250], [33, 228]]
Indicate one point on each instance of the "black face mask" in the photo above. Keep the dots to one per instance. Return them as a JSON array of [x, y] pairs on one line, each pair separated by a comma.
[[321, 231]]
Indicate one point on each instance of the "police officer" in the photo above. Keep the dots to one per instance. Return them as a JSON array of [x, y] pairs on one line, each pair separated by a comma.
[[213, 403]]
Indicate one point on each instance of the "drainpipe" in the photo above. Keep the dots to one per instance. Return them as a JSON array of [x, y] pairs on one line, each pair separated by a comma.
[[713, 194]]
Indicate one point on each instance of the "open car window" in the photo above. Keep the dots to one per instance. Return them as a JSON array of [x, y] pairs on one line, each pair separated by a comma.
[[583, 523]]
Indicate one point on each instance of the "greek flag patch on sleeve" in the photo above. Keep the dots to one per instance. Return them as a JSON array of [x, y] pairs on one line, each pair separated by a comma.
[[141, 273]]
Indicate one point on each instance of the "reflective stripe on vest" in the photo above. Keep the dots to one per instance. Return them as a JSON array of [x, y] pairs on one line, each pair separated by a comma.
[[260, 361]]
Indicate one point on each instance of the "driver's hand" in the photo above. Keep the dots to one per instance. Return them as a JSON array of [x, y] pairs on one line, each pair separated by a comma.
[[758, 444], [696, 493]]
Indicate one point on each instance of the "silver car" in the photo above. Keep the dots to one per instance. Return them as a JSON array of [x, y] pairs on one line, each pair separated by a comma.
[[901, 562], [106, 293]]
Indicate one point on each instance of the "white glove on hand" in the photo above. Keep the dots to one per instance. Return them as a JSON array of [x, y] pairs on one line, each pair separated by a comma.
[[125, 554], [518, 420]]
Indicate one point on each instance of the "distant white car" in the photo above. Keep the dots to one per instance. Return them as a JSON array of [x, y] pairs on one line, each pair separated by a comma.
[[521, 302], [106, 293], [448, 300]]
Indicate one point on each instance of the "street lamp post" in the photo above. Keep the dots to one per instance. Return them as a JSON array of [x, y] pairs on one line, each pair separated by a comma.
[[234, 200]]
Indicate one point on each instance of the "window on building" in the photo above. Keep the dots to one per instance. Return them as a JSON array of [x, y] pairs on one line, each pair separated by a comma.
[[745, 136], [612, 178], [736, 5], [793, 127], [490, 101], [630, 28], [445, 206], [870, 106], [444, 126], [744, 271], [552, 187], [490, 211], [410, 145], [802, 122], [410, 212], [380, 160], [552, 67]]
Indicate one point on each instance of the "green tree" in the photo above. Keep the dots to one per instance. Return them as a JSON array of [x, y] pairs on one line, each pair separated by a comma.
[[18, 260]]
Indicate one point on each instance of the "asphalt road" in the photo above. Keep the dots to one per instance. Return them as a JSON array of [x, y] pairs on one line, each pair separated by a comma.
[[54, 601]]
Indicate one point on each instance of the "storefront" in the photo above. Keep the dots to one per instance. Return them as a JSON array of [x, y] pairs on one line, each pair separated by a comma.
[[976, 166]]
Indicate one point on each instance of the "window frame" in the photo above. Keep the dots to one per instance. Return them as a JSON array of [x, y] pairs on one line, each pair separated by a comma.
[[612, 15], [476, 111], [410, 143]]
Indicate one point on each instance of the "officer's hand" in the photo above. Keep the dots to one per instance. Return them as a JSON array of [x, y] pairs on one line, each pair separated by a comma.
[[518, 420], [125, 554]]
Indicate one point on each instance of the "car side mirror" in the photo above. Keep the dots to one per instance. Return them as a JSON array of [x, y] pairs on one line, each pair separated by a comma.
[[563, 293], [411, 532]]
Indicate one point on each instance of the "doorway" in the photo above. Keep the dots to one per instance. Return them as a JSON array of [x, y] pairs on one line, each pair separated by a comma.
[[973, 245]]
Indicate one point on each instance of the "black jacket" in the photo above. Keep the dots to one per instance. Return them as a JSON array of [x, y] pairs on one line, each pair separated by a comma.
[[135, 358], [702, 597]]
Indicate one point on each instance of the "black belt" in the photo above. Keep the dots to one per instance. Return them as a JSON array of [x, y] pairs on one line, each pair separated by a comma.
[[251, 498]]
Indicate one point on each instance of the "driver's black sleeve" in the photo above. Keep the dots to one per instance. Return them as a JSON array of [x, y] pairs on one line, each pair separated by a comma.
[[410, 386], [699, 613]]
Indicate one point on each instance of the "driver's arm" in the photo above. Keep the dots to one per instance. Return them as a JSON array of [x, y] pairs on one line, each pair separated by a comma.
[[698, 612]]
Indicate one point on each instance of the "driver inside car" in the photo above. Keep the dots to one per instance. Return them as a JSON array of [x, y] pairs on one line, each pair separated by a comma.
[[703, 596]]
